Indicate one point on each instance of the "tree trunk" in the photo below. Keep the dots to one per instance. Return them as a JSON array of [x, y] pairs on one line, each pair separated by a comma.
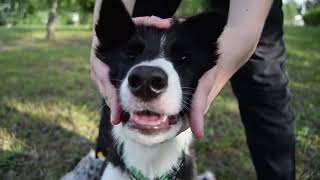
[[53, 5]]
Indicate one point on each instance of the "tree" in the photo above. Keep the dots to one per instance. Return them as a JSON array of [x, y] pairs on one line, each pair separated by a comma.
[[20, 11], [312, 4], [77, 5], [53, 5], [68, 5]]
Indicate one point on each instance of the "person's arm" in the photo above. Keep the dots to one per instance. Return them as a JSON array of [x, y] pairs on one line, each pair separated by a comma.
[[100, 71], [237, 44]]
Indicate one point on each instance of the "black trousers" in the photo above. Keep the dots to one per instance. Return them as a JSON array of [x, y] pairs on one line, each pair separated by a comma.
[[261, 87]]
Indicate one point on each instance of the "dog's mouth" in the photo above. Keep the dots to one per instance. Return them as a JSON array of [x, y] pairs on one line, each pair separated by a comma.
[[149, 122]]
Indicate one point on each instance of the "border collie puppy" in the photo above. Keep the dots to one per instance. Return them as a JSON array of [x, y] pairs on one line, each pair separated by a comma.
[[156, 72]]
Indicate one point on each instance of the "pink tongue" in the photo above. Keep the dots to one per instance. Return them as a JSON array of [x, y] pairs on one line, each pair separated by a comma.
[[148, 120]]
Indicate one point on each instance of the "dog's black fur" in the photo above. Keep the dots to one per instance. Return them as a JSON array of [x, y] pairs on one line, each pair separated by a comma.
[[191, 47]]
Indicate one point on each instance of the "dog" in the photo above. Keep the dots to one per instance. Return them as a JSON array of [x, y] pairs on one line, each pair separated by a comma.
[[155, 72]]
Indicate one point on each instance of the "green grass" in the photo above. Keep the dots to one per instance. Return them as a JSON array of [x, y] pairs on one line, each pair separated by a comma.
[[49, 107]]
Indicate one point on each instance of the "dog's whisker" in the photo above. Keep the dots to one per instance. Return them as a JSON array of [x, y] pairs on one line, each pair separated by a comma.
[[187, 93], [186, 101], [186, 107], [102, 107], [184, 87], [116, 80]]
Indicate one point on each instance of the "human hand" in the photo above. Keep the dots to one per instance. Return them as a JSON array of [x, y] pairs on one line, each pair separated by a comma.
[[236, 44], [232, 57], [100, 75], [153, 21]]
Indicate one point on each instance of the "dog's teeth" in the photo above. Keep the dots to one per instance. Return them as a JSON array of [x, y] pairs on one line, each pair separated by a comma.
[[164, 118]]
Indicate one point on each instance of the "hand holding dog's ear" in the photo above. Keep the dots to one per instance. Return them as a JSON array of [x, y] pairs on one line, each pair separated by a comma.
[[232, 57], [237, 43], [100, 75]]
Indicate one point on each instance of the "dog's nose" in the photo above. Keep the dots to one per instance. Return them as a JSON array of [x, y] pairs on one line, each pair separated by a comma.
[[147, 82]]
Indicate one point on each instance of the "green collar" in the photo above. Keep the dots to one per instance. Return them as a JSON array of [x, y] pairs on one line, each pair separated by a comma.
[[135, 174]]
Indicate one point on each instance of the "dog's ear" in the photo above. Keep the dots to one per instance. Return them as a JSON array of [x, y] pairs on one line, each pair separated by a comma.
[[206, 27], [114, 26]]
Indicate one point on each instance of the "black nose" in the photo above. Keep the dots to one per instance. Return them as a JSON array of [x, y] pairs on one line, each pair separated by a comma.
[[147, 82]]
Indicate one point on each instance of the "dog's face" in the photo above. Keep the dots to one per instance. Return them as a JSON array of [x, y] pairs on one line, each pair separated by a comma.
[[155, 70]]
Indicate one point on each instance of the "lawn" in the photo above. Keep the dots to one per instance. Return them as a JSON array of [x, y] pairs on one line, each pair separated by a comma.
[[49, 107]]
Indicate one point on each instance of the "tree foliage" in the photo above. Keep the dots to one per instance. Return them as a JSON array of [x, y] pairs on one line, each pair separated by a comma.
[[85, 6], [15, 11], [312, 17], [312, 4]]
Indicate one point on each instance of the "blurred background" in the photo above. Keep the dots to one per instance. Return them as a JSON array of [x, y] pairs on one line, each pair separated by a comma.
[[49, 107]]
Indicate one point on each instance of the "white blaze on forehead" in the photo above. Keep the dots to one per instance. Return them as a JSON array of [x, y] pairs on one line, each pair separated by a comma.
[[162, 44], [169, 102]]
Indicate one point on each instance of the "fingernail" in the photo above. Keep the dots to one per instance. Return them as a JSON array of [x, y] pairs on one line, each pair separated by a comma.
[[199, 135], [111, 118], [114, 117], [155, 17]]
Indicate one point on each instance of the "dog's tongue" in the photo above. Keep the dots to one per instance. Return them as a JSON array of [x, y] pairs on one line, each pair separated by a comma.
[[150, 120]]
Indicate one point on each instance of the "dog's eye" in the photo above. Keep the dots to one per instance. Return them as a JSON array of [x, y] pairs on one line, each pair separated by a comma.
[[183, 57], [133, 50], [132, 54], [180, 52]]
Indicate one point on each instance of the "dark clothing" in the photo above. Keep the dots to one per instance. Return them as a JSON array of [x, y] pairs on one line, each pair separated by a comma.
[[261, 88]]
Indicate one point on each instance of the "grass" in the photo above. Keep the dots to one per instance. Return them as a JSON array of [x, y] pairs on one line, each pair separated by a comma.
[[49, 107]]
